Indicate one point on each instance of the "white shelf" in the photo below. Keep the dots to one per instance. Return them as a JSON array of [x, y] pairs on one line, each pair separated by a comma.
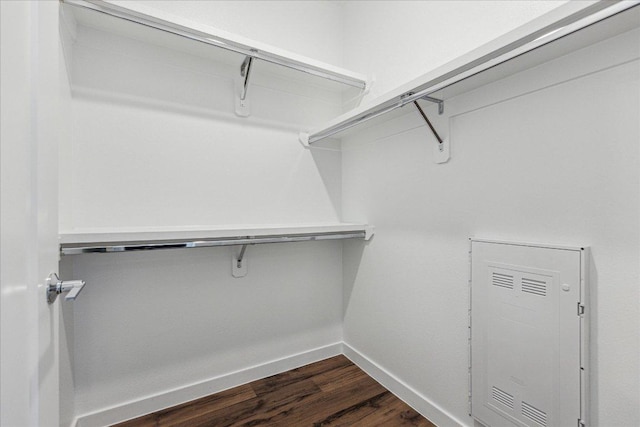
[[87, 237], [141, 22], [545, 38]]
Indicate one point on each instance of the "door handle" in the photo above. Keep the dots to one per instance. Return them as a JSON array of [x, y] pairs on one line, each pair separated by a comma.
[[55, 287]]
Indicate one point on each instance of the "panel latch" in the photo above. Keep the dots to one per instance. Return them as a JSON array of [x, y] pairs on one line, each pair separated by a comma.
[[580, 309]]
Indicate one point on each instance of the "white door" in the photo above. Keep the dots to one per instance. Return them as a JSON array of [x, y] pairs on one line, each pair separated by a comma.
[[29, 179]]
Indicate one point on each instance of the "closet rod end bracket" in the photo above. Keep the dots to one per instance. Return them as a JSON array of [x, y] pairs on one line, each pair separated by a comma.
[[303, 137], [369, 231]]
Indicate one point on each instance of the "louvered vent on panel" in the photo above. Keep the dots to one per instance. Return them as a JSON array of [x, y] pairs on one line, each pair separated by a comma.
[[502, 280], [532, 286], [503, 397], [534, 414]]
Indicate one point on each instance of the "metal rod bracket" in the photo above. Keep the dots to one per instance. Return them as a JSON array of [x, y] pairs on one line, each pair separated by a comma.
[[441, 152], [242, 102], [245, 71], [239, 264], [426, 119], [241, 256], [440, 103]]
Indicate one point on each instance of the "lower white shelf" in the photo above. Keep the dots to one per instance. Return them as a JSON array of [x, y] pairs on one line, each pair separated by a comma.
[[138, 239]]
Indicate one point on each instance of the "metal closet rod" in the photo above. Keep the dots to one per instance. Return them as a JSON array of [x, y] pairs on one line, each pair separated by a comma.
[[372, 113], [76, 249], [217, 41], [457, 75]]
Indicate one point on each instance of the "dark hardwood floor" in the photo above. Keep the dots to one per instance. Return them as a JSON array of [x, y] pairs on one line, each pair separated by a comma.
[[333, 392]]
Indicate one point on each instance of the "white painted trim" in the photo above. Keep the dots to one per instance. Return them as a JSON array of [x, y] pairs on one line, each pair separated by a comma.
[[406, 393], [166, 399], [577, 248], [169, 398]]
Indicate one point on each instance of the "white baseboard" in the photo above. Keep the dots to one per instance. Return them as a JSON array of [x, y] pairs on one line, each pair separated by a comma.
[[420, 403], [184, 394], [133, 409]]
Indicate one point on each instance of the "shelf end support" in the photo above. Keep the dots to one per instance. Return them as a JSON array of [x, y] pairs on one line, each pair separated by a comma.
[[369, 231], [303, 137]]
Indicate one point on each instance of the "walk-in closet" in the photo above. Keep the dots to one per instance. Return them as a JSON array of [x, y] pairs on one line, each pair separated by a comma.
[[305, 213]]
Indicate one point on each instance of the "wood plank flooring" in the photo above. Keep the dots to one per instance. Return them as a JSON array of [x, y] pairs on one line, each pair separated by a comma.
[[333, 392]]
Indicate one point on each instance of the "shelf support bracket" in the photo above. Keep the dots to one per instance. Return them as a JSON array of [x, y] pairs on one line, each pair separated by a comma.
[[245, 71], [441, 153], [242, 103], [440, 103], [238, 264]]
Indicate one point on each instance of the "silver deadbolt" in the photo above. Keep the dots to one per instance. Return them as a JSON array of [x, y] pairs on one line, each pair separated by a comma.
[[55, 287]]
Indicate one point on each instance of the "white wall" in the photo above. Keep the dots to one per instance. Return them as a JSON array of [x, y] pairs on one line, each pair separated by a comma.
[[310, 28], [155, 131], [155, 142], [551, 155], [148, 323], [398, 41]]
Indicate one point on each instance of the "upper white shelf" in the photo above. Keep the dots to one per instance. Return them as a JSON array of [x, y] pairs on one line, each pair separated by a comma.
[[150, 238], [141, 22], [131, 234], [543, 39]]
